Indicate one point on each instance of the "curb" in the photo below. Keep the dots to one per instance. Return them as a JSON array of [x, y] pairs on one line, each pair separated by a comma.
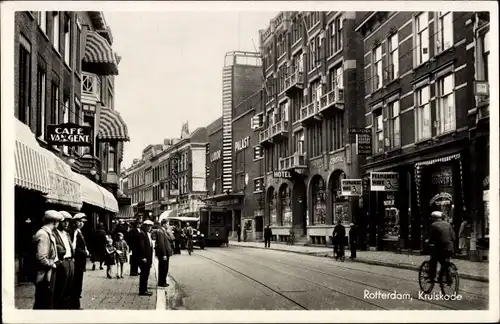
[[173, 295], [373, 262]]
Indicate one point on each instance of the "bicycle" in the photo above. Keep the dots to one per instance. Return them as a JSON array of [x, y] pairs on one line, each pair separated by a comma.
[[450, 274]]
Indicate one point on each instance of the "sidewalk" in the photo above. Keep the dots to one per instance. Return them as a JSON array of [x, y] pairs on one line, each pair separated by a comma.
[[99, 292], [467, 269]]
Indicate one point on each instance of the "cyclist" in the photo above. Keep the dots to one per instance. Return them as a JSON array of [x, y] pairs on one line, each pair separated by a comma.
[[441, 238]]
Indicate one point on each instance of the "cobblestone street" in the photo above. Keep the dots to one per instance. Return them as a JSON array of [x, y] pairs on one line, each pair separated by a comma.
[[99, 292]]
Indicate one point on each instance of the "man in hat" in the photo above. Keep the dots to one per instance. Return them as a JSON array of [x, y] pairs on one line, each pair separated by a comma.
[[353, 239], [145, 256], [81, 254], [133, 243], [338, 240], [46, 259], [441, 241], [65, 266], [163, 251]]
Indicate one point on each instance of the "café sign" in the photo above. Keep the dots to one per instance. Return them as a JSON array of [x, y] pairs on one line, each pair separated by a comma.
[[69, 134]]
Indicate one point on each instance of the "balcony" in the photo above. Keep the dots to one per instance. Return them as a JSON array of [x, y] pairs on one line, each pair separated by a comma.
[[274, 133], [331, 101], [91, 88], [310, 113], [294, 83], [295, 161]]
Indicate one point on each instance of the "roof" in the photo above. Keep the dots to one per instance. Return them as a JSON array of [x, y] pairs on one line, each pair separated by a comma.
[[214, 126]]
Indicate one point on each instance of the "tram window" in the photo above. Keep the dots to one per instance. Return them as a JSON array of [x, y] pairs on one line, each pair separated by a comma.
[[217, 219]]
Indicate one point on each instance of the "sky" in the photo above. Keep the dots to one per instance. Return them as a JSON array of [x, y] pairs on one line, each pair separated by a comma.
[[171, 68]]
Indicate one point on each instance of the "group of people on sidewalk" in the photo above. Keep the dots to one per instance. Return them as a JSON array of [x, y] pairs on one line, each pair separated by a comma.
[[60, 261]]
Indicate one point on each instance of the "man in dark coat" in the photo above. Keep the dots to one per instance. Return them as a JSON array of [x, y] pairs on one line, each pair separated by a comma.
[[145, 256], [65, 267], [268, 234], [81, 254], [178, 239], [353, 240], [163, 252], [338, 240], [99, 246], [133, 243], [238, 231]]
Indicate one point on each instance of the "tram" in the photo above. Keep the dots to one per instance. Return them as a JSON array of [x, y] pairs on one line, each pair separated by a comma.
[[213, 224]]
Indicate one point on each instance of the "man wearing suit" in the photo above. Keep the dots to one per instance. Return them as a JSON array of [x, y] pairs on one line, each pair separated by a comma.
[[81, 254], [46, 258], [163, 252], [133, 242], [268, 234], [65, 266], [145, 257]]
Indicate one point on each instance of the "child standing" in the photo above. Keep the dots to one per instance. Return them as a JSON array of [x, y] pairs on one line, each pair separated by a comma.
[[110, 257], [122, 255]]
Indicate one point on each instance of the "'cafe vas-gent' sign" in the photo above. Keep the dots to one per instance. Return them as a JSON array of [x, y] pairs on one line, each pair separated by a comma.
[[69, 134]]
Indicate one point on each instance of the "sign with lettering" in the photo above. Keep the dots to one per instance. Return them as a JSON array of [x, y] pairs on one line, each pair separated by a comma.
[[242, 144], [363, 144], [69, 134], [215, 156], [336, 159], [282, 174], [360, 131], [384, 181], [351, 187]]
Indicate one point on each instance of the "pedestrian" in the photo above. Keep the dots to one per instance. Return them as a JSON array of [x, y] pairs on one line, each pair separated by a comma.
[[133, 242], [99, 246], [81, 254], [464, 233], [178, 239], [122, 257], [353, 239], [44, 244], [145, 257], [65, 267], [268, 234], [238, 231], [338, 238], [163, 252], [110, 257]]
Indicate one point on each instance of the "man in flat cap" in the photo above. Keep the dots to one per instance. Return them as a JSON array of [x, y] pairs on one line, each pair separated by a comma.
[[46, 258], [145, 256], [81, 254], [441, 240], [65, 266]]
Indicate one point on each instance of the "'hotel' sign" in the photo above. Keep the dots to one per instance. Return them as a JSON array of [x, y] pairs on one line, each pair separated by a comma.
[[69, 134]]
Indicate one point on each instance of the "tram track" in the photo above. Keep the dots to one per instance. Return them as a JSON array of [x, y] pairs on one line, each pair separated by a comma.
[[330, 275], [288, 274], [399, 278]]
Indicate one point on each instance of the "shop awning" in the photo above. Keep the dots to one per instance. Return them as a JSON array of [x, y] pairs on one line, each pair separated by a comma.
[[64, 188], [125, 212], [30, 163], [95, 195], [112, 126], [99, 57]]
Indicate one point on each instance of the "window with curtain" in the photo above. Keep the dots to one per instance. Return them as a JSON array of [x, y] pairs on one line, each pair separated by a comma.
[[393, 72], [395, 126], [377, 67], [444, 30], [68, 46], [379, 131], [319, 201], [56, 30], [423, 113], [445, 104], [421, 38], [111, 158]]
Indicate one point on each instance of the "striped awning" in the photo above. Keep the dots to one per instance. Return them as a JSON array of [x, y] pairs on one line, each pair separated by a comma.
[[112, 126], [30, 163], [99, 57], [64, 189], [125, 212], [95, 195]]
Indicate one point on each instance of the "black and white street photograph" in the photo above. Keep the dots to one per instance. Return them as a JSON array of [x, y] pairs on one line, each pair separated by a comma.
[[243, 156]]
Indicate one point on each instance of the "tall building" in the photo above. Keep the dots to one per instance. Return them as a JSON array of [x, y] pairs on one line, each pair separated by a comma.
[[313, 71], [55, 51], [423, 71], [170, 176]]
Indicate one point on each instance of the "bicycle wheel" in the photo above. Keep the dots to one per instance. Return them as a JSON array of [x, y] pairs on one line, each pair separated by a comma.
[[450, 282], [425, 282]]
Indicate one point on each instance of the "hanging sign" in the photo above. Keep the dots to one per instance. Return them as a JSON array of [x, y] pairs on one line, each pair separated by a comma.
[[384, 181], [351, 187], [69, 134], [215, 156]]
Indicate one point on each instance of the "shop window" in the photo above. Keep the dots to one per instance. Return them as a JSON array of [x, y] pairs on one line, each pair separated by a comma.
[[286, 206], [319, 201], [272, 209]]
